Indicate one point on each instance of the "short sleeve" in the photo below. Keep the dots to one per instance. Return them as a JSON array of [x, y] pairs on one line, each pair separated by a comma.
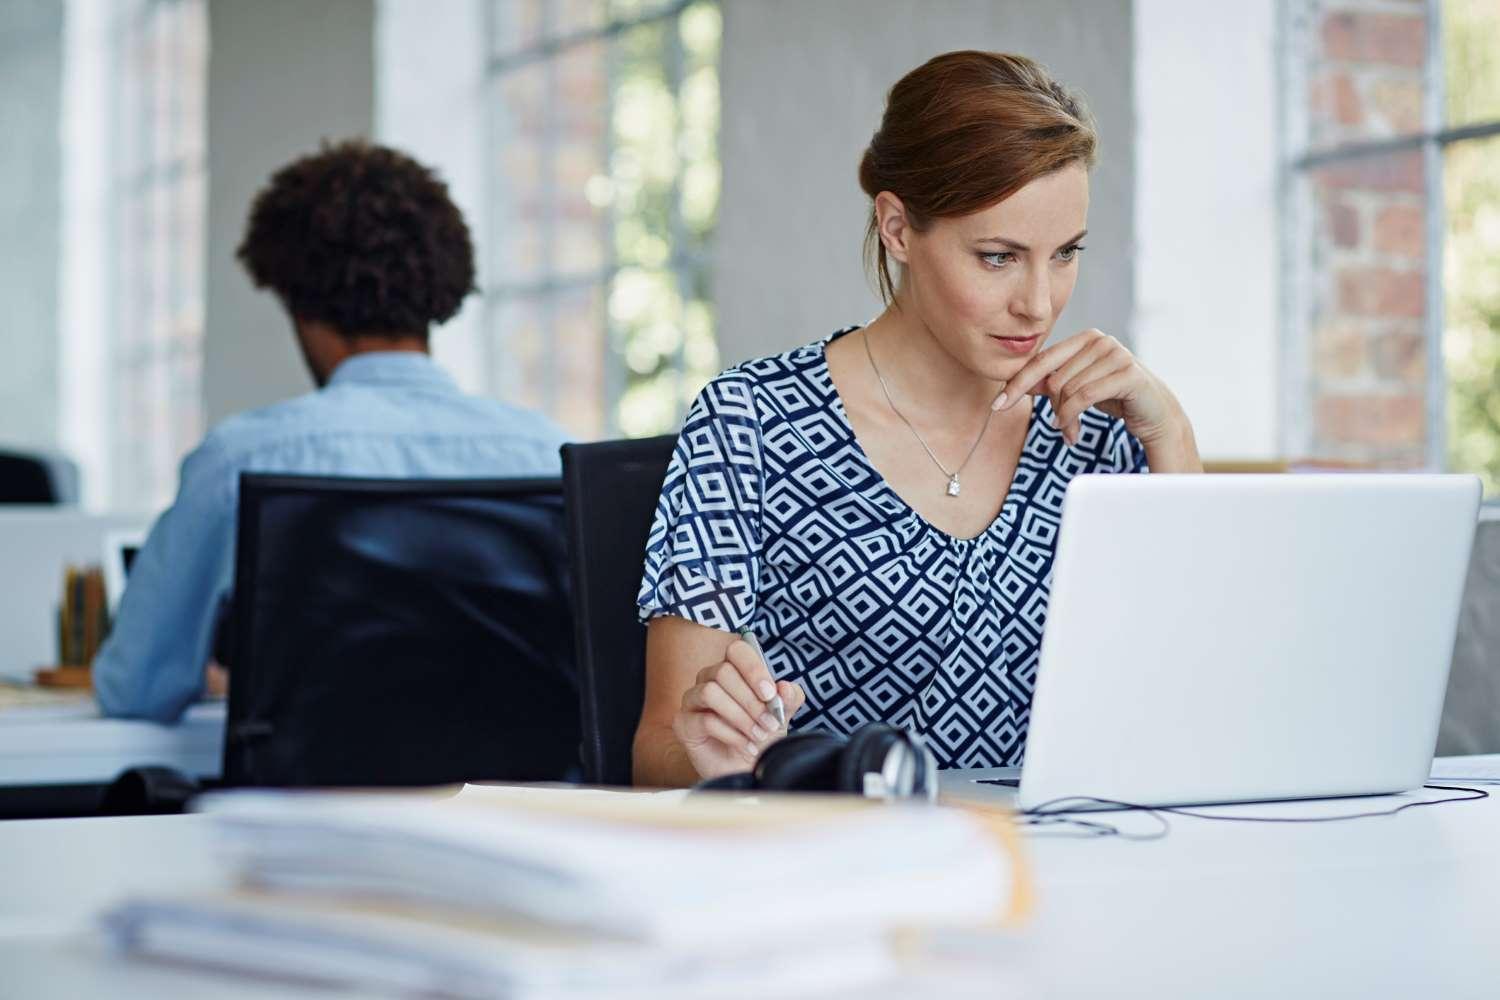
[[703, 552], [1123, 451]]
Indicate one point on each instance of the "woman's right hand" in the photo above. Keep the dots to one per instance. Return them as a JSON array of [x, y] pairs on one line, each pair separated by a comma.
[[723, 722]]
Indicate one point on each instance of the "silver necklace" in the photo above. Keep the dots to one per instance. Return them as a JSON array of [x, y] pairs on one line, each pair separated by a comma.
[[954, 487]]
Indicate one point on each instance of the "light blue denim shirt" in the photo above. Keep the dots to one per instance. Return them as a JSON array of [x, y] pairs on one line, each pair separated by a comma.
[[385, 414]]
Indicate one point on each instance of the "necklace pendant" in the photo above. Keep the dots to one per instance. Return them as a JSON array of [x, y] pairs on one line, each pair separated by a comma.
[[953, 487]]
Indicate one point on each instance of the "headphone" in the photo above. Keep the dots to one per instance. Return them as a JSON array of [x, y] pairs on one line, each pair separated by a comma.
[[877, 761]]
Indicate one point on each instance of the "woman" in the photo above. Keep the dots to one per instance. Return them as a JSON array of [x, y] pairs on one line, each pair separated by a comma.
[[881, 508]]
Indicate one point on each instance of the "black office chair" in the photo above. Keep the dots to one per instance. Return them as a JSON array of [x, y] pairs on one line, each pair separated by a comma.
[[612, 488], [35, 478], [398, 632]]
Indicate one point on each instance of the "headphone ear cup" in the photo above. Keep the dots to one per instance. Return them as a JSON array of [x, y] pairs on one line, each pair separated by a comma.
[[741, 781], [864, 753], [799, 762], [924, 781]]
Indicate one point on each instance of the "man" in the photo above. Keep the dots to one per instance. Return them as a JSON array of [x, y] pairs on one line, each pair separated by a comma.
[[365, 250]]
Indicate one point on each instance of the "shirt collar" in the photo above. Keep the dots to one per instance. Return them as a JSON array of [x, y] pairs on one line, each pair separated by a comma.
[[409, 368]]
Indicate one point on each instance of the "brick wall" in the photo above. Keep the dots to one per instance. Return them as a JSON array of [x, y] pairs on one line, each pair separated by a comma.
[[1365, 290]]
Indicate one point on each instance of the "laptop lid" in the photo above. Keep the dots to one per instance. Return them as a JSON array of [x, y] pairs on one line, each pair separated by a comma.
[[1247, 637]]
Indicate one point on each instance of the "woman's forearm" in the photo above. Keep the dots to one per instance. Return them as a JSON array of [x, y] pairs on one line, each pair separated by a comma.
[[1176, 451], [660, 761]]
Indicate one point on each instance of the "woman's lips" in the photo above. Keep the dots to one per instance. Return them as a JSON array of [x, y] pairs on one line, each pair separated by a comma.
[[1017, 346]]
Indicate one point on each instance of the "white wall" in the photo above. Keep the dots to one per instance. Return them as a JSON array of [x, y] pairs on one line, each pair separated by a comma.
[[1205, 215], [82, 332], [804, 86], [429, 93], [283, 76], [31, 45]]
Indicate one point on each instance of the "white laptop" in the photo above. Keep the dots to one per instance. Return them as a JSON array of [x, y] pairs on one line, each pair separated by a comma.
[[1241, 638]]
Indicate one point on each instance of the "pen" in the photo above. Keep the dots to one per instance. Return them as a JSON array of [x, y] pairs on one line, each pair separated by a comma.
[[774, 705]]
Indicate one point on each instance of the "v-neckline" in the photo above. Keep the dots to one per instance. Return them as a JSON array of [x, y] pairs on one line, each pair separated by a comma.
[[1004, 517]]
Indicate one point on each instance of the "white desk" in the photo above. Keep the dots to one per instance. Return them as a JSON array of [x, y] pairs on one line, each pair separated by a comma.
[[74, 746], [1397, 906]]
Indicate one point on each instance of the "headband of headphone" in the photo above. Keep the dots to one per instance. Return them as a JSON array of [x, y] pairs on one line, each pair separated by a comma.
[[877, 761]]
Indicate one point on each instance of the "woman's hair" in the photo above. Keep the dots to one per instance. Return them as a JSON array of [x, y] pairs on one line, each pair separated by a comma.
[[963, 131], [362, 238]]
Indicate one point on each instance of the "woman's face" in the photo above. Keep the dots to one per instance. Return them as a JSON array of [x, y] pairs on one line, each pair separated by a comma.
[[990, 285]]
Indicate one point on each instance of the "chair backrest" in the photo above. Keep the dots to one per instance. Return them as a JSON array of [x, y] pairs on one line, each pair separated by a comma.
[[1471, 711], [36, 478], [400, 632], [612, 489]]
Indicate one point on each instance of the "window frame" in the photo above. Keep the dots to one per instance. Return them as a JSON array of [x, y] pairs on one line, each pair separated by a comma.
[[686, 264], [1296, 211]]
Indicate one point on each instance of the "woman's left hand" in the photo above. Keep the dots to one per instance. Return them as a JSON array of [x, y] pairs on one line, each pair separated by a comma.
[[1094, 369]]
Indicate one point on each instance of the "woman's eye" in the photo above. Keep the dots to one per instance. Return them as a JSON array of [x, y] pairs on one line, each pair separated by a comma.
[[1068, 253], [997, 259]]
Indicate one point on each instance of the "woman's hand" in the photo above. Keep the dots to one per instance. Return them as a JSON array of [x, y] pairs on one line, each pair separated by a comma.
[[723, 722], [1094, 369]]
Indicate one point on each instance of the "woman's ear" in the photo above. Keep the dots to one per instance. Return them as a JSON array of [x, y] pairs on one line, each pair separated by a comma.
[[893, 225]]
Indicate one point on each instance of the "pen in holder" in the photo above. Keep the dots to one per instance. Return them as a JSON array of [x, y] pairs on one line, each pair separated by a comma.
[[82, 624]]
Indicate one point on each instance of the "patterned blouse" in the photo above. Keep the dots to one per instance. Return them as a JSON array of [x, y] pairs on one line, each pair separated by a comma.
[[772, 518]]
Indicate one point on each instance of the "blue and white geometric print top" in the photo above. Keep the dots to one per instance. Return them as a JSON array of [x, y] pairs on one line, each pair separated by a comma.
[[772, 518]]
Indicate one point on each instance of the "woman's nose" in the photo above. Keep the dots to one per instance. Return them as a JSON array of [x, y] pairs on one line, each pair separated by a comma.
[[1033, 300]]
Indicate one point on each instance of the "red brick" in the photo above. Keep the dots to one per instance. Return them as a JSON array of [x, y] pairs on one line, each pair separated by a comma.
[[1388, 172], [1401, 230], [1398, 103], [1339, 352], [1343, 224], [1346, 106], [1335, 98], [1381, 291], [1401, 356], [1392, 39], [1378, 420], [1405, 459]]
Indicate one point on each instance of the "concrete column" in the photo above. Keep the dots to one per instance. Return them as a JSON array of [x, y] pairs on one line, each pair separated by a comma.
[[804, 86], [283, 76], [430, 94]]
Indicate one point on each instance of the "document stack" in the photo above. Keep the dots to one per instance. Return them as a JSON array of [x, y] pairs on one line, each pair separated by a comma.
[[526, 893]]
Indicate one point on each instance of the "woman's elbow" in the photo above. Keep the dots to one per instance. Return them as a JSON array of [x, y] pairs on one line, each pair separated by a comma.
[[651, 754], [643, 754]]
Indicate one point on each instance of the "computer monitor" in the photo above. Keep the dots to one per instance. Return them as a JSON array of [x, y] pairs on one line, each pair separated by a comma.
[[120, 549]]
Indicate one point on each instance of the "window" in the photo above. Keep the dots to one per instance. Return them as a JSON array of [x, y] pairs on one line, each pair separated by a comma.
[[603, 183], [1471, 257], [1391, 217], [136, 201]]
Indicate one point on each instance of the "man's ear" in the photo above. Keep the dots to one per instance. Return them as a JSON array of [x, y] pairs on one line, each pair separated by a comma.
[[894, 227]]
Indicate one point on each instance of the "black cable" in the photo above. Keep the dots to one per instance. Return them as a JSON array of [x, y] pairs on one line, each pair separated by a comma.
[[1050, 809], [1474, 795], [1087, 829]]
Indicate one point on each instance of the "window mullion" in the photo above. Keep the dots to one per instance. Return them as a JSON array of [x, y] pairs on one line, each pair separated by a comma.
[[676, 230], [614, 365], [1433, 113]]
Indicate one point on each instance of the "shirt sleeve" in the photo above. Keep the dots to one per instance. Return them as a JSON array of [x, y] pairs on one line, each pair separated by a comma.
[[703, 552], [152, 665], [1123, 451]]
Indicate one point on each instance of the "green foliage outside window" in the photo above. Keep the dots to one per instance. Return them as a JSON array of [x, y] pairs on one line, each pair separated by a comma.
[[1471, 264], [665, 173]]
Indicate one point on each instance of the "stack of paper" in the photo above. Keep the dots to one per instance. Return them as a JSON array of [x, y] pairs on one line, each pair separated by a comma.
[[496, 894]]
